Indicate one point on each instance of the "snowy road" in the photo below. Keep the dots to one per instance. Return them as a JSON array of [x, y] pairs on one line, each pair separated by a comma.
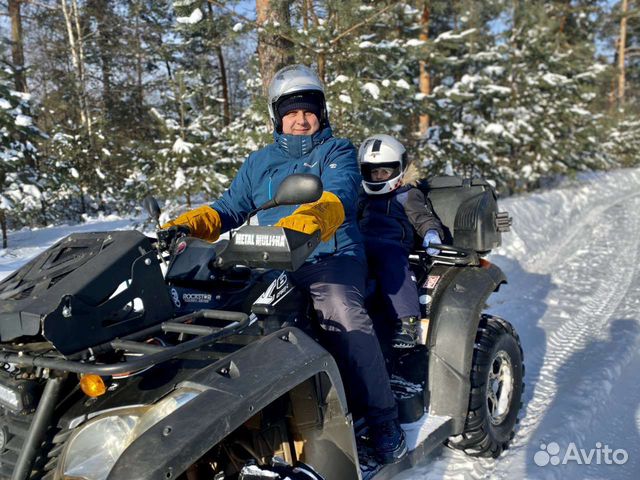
[[574, 297]]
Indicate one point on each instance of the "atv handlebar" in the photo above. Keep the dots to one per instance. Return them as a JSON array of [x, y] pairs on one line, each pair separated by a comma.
[[167, 237]]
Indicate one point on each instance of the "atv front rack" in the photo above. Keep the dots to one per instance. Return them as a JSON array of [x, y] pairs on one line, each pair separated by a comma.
[[151, 354]]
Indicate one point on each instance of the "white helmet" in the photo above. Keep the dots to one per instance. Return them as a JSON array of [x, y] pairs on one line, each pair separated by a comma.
[[290, 80], [382, 151]]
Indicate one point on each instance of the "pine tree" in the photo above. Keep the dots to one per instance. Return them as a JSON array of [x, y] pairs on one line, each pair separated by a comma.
[[365, 52], [462, 108], [20, 194], [524, 108], [554, 74]]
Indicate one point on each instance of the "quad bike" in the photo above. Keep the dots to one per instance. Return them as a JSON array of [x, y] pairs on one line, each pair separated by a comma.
[[117, 366]]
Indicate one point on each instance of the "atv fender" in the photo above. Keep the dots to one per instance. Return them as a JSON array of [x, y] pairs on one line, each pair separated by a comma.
[[455, 320], [233, 390]]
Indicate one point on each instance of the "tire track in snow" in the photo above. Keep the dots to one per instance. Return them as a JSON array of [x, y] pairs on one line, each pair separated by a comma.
[[570, 336], [576, 264], [547, 260]]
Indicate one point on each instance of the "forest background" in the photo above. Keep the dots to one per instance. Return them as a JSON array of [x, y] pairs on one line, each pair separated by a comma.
[[105, 101]]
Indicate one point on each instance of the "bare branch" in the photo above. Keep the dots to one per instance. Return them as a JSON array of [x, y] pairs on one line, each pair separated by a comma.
[[362, 23], [255, 24]]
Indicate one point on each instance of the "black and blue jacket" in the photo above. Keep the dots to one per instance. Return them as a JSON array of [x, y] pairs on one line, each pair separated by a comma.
[[332, 159], [395, 217]]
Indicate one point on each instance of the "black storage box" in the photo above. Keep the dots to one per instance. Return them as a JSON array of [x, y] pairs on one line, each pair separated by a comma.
[[468, 210], [85, 290]]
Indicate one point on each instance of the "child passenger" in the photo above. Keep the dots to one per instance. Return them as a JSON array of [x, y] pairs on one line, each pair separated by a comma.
[[390, 209]]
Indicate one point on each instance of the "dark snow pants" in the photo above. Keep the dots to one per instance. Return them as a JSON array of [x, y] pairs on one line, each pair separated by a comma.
[[337, 288], [389, 265]]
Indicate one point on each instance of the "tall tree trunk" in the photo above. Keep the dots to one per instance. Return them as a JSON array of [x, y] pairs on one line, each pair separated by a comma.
[[226, 107], [564, 16], [103, 14], [622, 45], [321, 59], [77, 58], [274, 52], [80, 46], [305, 15], [74, 34], [3, 226], [17, 50], [17, 54], [180, 94], [425, 77], [612, 87], [139, 86]]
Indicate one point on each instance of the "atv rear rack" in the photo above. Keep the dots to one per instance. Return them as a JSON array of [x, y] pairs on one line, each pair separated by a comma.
[[152, 354], [450, 255]]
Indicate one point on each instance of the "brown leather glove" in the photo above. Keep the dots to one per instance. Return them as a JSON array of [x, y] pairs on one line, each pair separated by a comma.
[[203, 222], [326, 214]]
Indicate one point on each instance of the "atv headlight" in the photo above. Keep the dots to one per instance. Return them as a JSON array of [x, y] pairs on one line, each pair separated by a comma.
[[94, 448]]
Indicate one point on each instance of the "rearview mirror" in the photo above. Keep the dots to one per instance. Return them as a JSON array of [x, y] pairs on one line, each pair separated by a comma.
[[150, 204], [298, 188], [294, 189]]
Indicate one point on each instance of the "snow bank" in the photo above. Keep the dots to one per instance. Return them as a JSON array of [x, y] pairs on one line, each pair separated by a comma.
[[542, 219]]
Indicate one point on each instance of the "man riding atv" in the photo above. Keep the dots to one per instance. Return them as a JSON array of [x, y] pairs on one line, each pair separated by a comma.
[[334, 275]]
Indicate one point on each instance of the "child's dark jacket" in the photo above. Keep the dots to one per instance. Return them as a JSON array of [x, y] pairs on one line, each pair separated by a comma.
[[394, 217]]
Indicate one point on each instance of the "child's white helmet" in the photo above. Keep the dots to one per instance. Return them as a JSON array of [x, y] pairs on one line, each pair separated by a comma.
[[382, 151], [295, 79]]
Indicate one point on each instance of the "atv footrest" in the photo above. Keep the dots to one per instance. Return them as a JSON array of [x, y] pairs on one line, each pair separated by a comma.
[[422, 437]]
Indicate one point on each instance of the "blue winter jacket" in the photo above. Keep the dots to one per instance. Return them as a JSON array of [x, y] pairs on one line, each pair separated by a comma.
[[332, 159]]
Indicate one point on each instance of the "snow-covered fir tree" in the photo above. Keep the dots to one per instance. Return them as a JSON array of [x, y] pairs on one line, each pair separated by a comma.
[[523, 108], [20, 191], [366, 53]]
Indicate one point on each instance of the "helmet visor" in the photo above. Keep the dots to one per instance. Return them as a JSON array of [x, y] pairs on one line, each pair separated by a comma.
[[379, 172]]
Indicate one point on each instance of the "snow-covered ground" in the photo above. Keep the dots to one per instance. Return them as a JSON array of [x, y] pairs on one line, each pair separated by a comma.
[[25, 244], [574, 297]]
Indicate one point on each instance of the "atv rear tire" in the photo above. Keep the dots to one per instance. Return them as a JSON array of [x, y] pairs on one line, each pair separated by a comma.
[[497, 372]]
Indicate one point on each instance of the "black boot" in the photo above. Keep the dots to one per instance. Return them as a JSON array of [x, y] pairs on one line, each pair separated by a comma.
[[388, 441], [406, 334]]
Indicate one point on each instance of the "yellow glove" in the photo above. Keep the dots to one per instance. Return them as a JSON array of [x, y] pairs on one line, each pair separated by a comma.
[[204, 222], [326, 214]]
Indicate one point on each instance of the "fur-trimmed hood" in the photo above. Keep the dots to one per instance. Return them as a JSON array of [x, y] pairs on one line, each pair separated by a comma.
[[411, 175]]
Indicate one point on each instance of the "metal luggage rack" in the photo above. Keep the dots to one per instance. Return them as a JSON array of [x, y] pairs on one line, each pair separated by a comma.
[[449, 255], [151, 354]]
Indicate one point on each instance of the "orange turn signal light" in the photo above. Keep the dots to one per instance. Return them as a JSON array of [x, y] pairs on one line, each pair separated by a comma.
[[92, 385], [485, 263]]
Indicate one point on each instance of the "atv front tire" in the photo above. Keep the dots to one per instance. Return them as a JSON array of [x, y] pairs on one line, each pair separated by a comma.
[[497, 372]]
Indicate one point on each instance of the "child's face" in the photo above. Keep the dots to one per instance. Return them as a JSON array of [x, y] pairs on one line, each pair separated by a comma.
[[381, 174]]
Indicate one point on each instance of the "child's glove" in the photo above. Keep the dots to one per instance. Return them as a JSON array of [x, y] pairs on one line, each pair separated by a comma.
[[431, 237]]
